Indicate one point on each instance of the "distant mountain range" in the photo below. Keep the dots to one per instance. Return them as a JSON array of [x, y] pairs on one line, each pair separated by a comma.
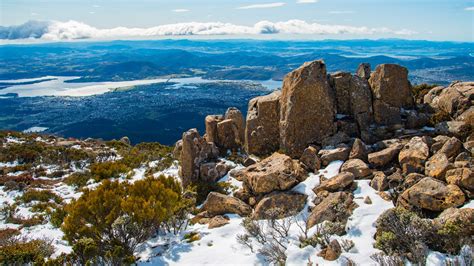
[[431, 62]]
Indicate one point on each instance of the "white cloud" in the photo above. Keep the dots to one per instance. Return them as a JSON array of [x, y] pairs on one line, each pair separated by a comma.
[[180, 10], [340, 12], [306, 1], [92, 12], [269, 5], [73, 30], [471, 8], [95, 6]]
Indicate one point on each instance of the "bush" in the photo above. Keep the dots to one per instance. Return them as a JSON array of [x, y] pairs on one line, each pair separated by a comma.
[[419, 91], [106, 170], [78, 180], [19, 251], [40, 195], [119, 216]]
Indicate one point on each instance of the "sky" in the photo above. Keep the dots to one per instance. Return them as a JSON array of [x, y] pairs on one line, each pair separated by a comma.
[[447, 20]]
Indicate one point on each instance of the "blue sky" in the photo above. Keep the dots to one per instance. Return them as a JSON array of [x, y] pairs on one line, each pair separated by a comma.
[[313, 19]]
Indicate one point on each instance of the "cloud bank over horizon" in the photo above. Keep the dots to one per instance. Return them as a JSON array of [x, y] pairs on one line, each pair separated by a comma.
[[74, 30]]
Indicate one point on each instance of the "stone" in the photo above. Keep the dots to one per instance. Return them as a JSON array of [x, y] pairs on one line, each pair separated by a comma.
[[367, 200], [342, 181], [262, 134], [277, 172], [363, 70], [359, 150], [454, 99], [341, 82], [379, 182], [391, 91], [413, 155], [337, 154], [462, 177], [310, 159], [278, 205], [211, 127], [227, 135], [469, 146], [417, 120], [219, 204], [178, 148], [307, 108], [385, 156], [437, 166], [431, 194], [467, 116], [332, 251], [195, 150], [451, 147], [218, 221], [458, 129], [249, 161], [463, 218], [236, 116], [438, 143], [336, 206], [212, 171], [336, 139], [357, 167], [125, 140]]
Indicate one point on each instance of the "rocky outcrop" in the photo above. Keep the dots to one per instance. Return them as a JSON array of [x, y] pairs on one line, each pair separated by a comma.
[[363, 70], [391, 91], [279, 205], [307, 108], [211, 122], [336, 207], [431, 194], [413, 156], [453, 100], [262, 134], [275, 173], [194, 151], [219, 204]]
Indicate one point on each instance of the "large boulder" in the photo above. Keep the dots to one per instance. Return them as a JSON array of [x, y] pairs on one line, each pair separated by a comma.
[[342, 181], [307, 108], [452, 147], [357, 167], [237, 118], [431, 194], [413, 156], [462, 177], [262, 134], [380, 181], [359, 150], [458, 129], [391, 91], [212, 171], [275, 173], [194, 151], [279, 205], [385, 156], [211, 122], [337, 154], [453, 100], [219, 204], [336, 207]]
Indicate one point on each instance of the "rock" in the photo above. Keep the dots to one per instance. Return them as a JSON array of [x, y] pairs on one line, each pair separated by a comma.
[[462, 177], [431, 194], [249, 161], [211, 122], [437, 166], [275, 173], [178, 148], [342, 181], [336, 206], [212, 171], [341, 82], [438, 143], [467, 116], [385, 156], [359, 150], [279, 205], [357, 167], [469, 145], [300, 125], [332, 251], [451, 147], [411, 179], [363, 70], [367, 200], [227, 135], [413, 155], [463, 218], [218, 221], [219, 204], [195, 150], [336, 139], [262, 134], [458, 129], [379, 182], [236, 116], [125, 140], [454, 99], [310, 159], [391, 91], [417, 120], [337, 154]]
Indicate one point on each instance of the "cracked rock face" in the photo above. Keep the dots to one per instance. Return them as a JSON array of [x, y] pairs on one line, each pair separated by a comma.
[[307, 108]]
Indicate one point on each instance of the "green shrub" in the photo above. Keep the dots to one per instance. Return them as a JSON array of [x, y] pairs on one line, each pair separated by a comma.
[[56, 216], [77, 179], [39, 195], [106, 170], [118, 216], [20, 252]]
